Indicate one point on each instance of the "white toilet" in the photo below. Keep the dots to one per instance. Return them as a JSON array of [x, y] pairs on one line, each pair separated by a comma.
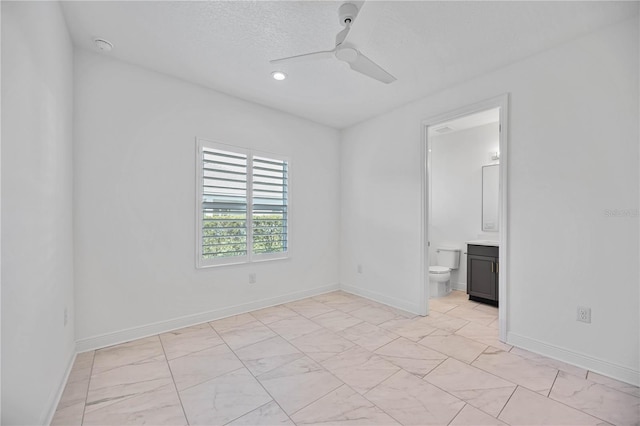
[[439, 276]]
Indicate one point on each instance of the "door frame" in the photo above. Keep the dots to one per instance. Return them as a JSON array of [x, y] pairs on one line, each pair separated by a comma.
[[501, 102]]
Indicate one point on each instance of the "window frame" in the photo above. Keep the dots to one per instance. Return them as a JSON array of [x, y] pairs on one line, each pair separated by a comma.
[[250, 257]]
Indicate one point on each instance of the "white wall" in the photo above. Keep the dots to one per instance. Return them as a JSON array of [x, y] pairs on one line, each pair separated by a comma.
[[135, 199], [573, 153], [37, 255], [456, 191]]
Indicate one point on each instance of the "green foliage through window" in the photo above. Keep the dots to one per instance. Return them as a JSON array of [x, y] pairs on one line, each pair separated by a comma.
[[243, 197]]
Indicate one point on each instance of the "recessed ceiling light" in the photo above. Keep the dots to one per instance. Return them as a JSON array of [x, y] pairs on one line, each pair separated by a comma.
[[278, 75], [103, 44]]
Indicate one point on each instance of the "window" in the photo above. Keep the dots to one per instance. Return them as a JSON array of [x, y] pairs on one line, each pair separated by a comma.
[[243, 202]]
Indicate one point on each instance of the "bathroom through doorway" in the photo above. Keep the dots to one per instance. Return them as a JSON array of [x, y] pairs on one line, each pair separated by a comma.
[[465, 216]]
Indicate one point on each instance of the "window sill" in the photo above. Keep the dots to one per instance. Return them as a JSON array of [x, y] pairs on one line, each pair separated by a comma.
[[241, 263]]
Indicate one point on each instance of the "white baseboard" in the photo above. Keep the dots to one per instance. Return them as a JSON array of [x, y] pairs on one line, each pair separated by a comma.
[[403, 305], [618, 372], [116, 337], [459, 286], [54, 400]]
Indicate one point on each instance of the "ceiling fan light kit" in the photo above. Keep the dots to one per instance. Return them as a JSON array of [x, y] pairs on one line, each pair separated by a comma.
[[345, 52]]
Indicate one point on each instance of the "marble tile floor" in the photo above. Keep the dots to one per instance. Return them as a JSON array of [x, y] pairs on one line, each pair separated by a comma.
[[338, 359]]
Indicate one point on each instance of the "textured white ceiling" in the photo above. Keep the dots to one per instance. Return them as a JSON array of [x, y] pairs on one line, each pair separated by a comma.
[[427, 46]]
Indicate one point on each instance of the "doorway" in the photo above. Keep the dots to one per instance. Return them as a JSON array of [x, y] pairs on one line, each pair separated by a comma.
[[493, 225]]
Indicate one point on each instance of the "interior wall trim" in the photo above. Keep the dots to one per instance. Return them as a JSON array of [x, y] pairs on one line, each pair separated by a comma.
[[459, 286], [50, 409], [606, 368], [116, 337], [403, 305]]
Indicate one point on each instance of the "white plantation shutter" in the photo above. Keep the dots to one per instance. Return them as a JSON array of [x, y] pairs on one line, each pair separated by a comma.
[[242, 205], [224, 204], [270, 205]]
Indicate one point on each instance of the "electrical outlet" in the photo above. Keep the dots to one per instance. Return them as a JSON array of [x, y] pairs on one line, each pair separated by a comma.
[[584, 314], [66, 316], [252, 278], [359, 269]]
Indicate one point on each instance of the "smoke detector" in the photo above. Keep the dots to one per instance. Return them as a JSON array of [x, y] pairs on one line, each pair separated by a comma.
[[445, 129], [103, 44]]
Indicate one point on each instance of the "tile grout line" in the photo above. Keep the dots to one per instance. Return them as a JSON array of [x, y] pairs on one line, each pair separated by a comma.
[[442, 361], [464, 400], [481, 321], [539, 363], [86, 396], [374, 325], [479, 355], [432, 349], [536, 363], [209, 379], [125, 397], [279, 319], [491, 373], [460, 411], [315, 400], [124, 343], [608, 386], [284, 338], [536, 360], [552, 384], [323, 395], [423, 379], [400, 368], [318, 363], [262, 386], [302, 352], [507, 403], [364, 395], [322, 366], [439, 364], [198, 351], [219, 333], [486, 344], [175, 386], [575, 408], [341, 312], [351, 341], [562, 403], [373, 351], [508, 380], [487, 372], [257, 408], [480, 369], [311, 317]]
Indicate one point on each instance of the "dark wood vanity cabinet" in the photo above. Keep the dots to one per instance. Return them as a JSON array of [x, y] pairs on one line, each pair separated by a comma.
[[482, 273]]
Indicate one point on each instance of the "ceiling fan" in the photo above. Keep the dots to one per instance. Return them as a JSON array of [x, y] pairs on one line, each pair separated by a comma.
[[344, 51]]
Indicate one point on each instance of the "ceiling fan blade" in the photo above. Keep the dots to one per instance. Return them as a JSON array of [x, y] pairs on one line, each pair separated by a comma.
[[324, 54], [366, 66]]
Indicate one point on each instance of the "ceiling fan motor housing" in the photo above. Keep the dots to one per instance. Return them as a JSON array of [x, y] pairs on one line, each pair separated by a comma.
[[344, 51], [347, 13]]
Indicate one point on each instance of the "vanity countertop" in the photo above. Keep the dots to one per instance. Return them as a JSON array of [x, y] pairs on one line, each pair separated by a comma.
[[484, 243]]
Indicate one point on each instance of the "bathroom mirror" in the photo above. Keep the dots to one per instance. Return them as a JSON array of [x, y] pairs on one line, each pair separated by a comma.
[[490, 199]]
